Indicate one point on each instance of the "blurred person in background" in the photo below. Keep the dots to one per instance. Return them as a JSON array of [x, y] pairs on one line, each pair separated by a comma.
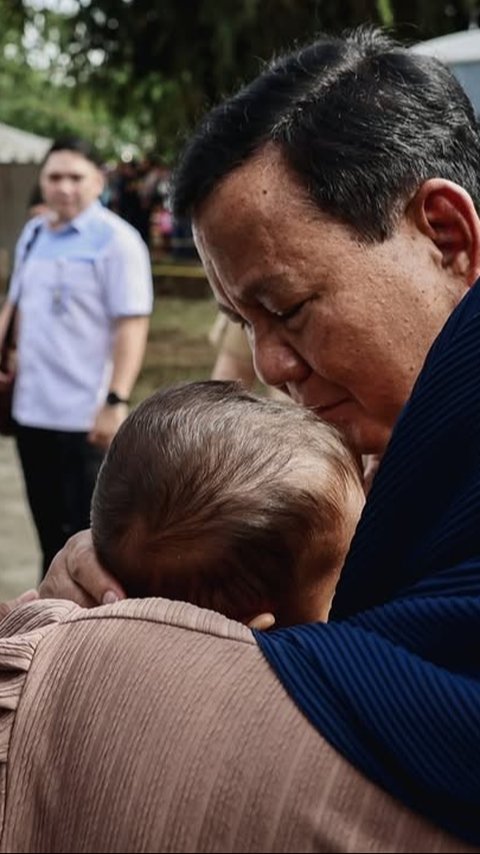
[[234, 359], [82, 286]]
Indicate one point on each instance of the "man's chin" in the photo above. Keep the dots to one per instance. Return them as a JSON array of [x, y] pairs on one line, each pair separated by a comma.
[[366, 439], [64, 214]]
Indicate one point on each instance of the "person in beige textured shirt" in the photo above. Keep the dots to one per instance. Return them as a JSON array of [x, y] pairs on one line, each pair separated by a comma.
[[155, 726], [231, 501]]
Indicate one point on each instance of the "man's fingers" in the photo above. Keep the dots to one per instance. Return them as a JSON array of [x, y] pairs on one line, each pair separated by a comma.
[[76, 574], [6, 607], [262, 622]]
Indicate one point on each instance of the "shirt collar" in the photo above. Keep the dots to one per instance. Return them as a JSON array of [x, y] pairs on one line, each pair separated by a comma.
[[80, 222]]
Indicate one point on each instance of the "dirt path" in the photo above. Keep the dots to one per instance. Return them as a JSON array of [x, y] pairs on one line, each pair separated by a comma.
[[19, 556]]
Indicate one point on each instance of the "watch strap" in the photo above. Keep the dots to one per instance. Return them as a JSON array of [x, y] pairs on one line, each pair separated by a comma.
[[113, 399]]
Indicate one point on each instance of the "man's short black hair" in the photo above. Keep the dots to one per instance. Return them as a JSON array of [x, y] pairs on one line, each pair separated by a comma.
[[361, 120], [78, 146]]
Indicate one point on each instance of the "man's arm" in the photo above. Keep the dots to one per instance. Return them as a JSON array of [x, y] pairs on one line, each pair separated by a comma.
[[234, 357], [6, 313], [129, 344]]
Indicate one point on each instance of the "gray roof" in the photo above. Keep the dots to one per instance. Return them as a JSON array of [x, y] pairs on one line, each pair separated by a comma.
[[19, 146]]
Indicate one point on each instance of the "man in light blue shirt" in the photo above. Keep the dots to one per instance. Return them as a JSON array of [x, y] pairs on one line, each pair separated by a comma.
[[82, 285]]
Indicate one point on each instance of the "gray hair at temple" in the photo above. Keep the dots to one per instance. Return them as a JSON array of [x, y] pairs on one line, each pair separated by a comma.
[[361, 121]]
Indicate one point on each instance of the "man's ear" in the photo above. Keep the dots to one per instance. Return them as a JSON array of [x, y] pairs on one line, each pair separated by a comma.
[[101, 181], [445, 213]]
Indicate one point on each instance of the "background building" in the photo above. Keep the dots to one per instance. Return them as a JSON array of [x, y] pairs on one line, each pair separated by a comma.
[[20, 156]]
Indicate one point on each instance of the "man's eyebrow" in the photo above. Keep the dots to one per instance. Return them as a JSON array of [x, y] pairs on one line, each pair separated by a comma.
[[262, 287], [257, 291], [57, 175]]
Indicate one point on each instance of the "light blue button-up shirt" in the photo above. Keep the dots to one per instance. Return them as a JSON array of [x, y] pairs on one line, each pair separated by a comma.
[[72, 286]]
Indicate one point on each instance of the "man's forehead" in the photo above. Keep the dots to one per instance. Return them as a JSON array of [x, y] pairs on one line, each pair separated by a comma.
[[69, 162], [263, 181], [264, 286]]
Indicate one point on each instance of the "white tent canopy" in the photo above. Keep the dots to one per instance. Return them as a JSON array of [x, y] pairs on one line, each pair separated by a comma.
[[19, 146], [461, 51], [456, 47]]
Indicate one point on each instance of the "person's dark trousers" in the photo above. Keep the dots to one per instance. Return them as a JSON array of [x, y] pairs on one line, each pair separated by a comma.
[[60, 470]]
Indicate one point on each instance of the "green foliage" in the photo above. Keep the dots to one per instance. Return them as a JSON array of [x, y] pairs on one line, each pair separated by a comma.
[[142, 71], [385, 12], [168, 60], [424, 19], [38, 92]]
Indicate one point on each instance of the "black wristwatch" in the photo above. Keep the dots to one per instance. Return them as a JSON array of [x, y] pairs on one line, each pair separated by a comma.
[[113, 399]]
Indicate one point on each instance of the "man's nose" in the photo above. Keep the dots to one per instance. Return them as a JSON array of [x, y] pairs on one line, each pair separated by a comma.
[[276, 362], [65, 185]]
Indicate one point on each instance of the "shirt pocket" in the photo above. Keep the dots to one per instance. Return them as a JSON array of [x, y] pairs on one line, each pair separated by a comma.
[[76, 285]]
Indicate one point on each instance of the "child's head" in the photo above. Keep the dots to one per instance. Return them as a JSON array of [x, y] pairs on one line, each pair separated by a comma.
[[215, 496]]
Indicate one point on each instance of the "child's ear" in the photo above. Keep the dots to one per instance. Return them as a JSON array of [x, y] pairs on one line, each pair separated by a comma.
[[262, 622]]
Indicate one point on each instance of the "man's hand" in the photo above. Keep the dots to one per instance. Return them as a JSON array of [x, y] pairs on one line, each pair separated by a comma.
[[107, 422], [262, 622], [6, 607], [76, 574], [5, 380]]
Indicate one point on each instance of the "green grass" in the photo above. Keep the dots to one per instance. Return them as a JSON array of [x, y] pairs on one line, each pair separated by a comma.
[[178, 347]]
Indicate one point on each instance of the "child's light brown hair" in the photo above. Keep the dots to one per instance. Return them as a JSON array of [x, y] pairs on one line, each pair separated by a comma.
[[212, 495]]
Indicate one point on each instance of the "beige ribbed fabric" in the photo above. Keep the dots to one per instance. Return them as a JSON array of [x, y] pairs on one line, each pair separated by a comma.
[[157, 726]]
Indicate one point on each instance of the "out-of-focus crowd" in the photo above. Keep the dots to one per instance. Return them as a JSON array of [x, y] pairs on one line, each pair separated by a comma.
[[138, 191]]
